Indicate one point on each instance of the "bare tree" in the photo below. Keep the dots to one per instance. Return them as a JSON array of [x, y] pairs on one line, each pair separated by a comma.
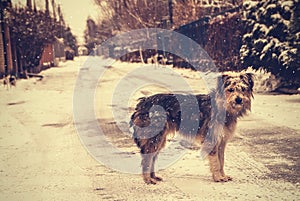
[[133, 14]]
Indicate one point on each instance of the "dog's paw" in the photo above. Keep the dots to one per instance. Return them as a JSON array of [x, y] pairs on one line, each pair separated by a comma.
[[157, 178], [221, 178], [226, 178], [153, 176], [150, 180]]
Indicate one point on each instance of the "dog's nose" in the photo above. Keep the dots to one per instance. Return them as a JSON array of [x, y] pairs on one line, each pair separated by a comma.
[[238, 100]]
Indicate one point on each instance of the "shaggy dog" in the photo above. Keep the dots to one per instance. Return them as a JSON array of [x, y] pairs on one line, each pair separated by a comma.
[[9, 81], [208, 119]]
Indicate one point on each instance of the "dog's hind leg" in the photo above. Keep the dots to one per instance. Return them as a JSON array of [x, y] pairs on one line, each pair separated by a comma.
[[148, 168], [152, 173], [149, 153]]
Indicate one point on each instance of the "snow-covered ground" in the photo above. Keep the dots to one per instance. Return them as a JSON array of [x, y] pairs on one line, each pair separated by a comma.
[[51, 149]]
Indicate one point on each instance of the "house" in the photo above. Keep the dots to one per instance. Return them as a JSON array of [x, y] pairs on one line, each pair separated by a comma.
[[52, 54]]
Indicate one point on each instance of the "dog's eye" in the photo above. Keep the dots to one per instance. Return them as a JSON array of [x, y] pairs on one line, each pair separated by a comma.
[[231, 90], [243, 89]]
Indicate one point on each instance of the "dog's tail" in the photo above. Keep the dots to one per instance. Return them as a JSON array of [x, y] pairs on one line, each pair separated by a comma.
[[139, 107], [139, 120]]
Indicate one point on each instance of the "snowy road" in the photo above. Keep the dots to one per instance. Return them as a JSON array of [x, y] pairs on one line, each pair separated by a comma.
[[43, 157]]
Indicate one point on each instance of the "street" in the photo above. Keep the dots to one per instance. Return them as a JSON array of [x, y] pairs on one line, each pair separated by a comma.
[[50, 150]]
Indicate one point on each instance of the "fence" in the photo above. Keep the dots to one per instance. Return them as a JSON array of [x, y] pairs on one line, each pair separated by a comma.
[[219, 34]]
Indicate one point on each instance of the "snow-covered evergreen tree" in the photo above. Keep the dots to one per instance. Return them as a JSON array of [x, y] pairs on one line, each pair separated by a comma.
[[271, 41], [32, 29]]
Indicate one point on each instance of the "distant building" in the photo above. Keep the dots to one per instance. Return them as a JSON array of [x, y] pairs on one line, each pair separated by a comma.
[[82, 50], [59, 53], [52, 54]]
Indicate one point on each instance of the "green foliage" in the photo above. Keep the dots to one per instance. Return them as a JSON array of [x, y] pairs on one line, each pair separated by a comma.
[[272, 40]]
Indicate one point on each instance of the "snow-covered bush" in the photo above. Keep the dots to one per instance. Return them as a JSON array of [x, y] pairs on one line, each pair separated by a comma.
[[271, 40]]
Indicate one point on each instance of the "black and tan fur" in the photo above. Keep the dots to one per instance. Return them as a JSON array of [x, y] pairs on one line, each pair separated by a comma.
[[215, 117], [9, 81]]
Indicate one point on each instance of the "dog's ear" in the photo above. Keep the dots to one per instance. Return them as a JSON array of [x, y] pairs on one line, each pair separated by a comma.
[[223, 78], [221, 82], [250, 79]]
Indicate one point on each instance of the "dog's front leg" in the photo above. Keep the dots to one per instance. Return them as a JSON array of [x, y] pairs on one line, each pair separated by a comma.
[[221, 152], [216, 163]]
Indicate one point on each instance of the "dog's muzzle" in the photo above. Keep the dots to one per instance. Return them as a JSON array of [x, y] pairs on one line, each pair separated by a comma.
[[238, 100]]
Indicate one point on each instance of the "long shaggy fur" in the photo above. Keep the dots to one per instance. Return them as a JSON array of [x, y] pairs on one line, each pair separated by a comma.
[[210, 119]]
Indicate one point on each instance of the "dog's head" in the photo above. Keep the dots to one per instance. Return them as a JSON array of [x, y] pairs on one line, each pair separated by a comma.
[[237, 89]]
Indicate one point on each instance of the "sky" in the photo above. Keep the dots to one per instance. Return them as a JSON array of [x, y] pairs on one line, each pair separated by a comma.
[[75, 13]]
